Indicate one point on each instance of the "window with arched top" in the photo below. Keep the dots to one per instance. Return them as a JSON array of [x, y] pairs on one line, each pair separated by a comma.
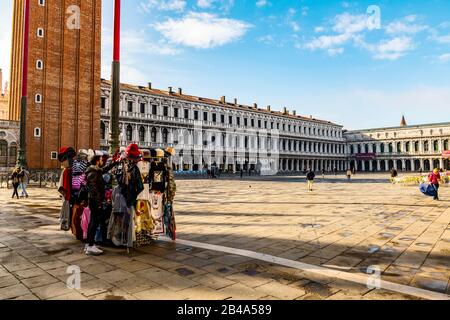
[[436, 145], [12, 152], [426, 146], [408, 147], [3, 148], [153, 134], [129, 133], [399, 147], [142, 134], [446, 145], [416, 146], [382, 148], [102, 130], [165, 136], [366, 148], [391, 148]]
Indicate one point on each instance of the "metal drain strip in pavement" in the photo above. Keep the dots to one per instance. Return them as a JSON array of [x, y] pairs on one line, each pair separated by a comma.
[[347, 276]]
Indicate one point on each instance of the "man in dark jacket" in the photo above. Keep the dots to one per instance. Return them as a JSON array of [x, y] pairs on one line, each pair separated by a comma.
[[96, 191], [310, 179]]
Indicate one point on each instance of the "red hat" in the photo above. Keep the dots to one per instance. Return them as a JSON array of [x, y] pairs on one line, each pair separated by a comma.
[[133, 152], [65, 153]]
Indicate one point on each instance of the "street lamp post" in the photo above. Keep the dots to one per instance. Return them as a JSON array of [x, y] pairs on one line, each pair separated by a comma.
[[115, 82], [22, 155]]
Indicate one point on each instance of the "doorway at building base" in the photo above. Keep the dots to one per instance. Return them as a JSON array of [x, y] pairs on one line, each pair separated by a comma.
[[138, 199]]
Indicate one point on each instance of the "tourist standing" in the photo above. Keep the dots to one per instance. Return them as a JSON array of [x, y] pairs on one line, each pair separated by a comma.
[[15, 182], [242, 173], [310, 179], [24, 177], [434, 178], [394, 175], [349, 174], [96, 196]]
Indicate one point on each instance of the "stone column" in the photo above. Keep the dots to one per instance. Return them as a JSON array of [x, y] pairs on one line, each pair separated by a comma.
[[378, 165]]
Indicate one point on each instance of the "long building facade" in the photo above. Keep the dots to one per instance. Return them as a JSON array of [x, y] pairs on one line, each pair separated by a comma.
[[404, 148], [233, 136]]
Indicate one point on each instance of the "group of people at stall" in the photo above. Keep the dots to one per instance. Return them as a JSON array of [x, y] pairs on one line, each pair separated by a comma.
[[123, 200]]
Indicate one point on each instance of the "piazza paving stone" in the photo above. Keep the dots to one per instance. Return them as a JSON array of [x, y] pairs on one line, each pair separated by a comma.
[[343, 226]]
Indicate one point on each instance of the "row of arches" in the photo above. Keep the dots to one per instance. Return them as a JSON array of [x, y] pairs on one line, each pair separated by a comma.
[[408, 146], [400, 165]]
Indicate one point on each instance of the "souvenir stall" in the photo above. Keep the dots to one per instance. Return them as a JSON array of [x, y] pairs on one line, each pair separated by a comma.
[[138, 200], [142, 201]]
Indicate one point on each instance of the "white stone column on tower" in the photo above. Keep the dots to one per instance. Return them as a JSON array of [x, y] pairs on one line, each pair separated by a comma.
[[378, 165]]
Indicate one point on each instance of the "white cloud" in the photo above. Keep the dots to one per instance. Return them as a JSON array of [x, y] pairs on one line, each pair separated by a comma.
[[267, 39], [444, 57], [319, 29], [442, 39], [405, 26], [347, 23], [393, 49], [163, 5], [205, 3], [305, 11], [328, 42], [202, 30], [351, 29], [347, 28], [295, 26], [335, 51], [261, 3]]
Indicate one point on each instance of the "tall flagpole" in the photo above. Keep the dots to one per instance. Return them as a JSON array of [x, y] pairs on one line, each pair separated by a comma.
[[22, 155], [115, 82]]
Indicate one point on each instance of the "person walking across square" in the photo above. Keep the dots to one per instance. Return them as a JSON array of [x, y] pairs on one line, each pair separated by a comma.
[[434, 178], [310, 179]]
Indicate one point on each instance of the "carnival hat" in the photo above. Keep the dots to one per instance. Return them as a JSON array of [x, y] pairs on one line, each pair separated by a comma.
[[132, 152], [65, 153], [170, 151]]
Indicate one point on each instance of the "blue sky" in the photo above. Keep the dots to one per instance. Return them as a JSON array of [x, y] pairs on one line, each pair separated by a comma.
[[329, 59]]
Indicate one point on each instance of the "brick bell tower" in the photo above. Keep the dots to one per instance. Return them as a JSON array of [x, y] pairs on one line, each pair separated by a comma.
[[63, 77]]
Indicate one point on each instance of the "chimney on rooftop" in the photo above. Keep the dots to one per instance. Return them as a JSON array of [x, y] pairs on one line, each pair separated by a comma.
[[255, 105], [268, 108], [150, 85], [222, 99], [285, 110], [170, 90], [235, 102], [294, 113], [180, 91]]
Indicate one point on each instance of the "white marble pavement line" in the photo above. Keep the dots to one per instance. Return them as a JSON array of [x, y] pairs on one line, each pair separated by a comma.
[[347, 276]]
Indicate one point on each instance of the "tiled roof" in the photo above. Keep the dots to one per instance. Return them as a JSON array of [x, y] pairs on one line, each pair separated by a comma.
[[218, 103]]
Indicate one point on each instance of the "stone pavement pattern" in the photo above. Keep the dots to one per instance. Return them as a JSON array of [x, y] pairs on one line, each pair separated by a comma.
[[340, 225]]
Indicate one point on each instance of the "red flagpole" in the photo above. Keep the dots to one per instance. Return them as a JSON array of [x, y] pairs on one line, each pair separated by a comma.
[[115, 83], [21, 160], [116, 53]]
